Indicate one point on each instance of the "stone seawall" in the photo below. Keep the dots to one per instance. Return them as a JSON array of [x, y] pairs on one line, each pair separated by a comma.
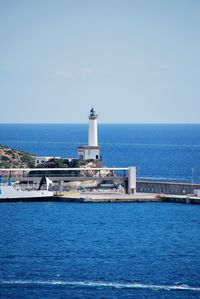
[[166, 187]]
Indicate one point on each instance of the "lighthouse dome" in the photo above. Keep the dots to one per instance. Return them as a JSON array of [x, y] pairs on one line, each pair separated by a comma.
[[93, 113]]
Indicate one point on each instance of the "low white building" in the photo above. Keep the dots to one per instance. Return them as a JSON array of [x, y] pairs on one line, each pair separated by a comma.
[[88, 152]]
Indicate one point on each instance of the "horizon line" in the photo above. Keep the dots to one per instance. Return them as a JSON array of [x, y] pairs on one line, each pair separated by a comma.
[[101, 123]]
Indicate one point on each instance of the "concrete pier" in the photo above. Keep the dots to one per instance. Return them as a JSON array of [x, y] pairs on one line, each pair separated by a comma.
[[97, 197], [116, 197]]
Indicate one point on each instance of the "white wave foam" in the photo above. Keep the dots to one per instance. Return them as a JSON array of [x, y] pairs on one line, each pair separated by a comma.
[[119, 285]]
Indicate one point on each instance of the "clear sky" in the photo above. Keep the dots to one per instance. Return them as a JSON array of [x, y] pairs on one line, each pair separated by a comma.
[[135, 61]]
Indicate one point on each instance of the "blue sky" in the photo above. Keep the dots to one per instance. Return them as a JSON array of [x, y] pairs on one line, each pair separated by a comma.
[[134, 61]]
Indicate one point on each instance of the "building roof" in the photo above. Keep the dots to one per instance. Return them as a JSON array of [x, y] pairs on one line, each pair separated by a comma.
[[88, 147]]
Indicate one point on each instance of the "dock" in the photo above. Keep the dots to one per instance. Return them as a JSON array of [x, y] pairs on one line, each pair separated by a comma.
[[116, 197], [96, 197]]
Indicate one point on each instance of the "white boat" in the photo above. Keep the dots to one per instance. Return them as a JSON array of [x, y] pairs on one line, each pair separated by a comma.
[[14, 192]]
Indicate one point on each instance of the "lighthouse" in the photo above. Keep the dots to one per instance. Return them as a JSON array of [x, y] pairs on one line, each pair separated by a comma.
[[92, 134], [92, 150]]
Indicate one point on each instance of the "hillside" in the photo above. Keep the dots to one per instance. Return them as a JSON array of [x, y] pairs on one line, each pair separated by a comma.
[[11, 158]]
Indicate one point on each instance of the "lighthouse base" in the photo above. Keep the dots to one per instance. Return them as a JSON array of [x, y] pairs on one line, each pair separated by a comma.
[[89, 152]]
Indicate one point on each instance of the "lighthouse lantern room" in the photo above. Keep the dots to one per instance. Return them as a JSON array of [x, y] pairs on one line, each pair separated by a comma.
[[92, 150]]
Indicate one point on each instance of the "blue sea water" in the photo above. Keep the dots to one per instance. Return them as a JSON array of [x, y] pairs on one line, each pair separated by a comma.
[[66, 250], [123, 250], [163, 152]]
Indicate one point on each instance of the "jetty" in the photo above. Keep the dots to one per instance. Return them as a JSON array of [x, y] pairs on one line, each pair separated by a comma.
[[116, 197]]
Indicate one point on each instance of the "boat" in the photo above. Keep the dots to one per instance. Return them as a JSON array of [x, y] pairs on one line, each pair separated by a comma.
[[12, 192]]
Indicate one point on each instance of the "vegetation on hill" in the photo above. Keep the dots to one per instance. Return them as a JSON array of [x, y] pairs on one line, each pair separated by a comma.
[[64, 163], [68, 163], [11, 158]]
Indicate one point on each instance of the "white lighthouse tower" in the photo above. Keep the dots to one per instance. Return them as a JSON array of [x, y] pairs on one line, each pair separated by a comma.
[[92, 135], [92, 150]]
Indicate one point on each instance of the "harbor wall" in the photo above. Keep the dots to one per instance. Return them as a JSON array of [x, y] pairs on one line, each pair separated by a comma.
[[166, 187]]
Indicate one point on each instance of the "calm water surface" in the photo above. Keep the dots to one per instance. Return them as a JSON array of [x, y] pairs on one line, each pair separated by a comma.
[[58, 250]]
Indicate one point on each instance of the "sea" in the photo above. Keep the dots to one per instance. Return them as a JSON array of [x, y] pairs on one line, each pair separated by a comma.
[[105, 250]]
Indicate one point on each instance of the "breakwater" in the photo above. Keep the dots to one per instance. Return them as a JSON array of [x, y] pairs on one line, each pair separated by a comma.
[[166, 187]]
